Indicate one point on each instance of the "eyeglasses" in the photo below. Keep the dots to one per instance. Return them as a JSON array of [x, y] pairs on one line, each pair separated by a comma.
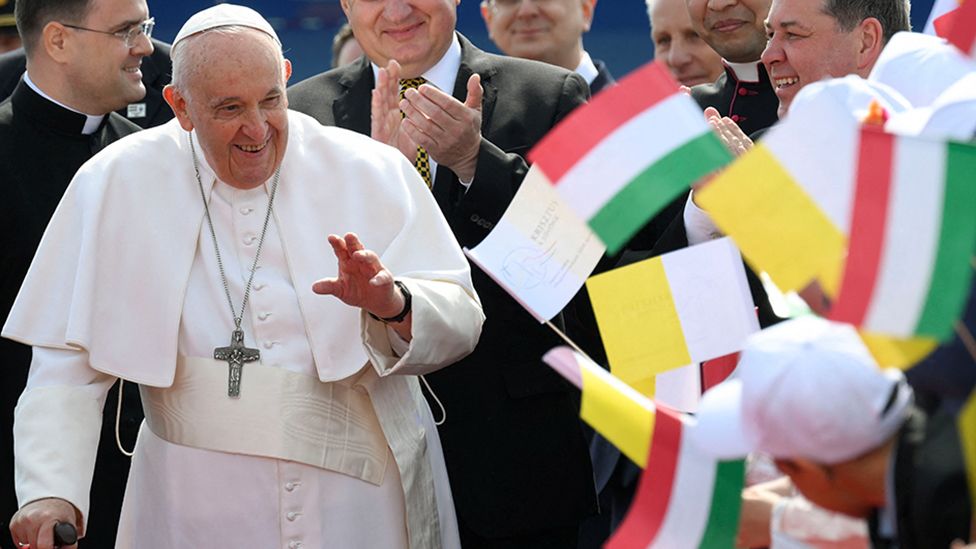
[[129, 36]]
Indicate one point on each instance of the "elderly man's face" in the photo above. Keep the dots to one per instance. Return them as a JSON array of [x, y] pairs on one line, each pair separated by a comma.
[[236, 102], [543, 30], [105, 71], [678, 46], [416, 33], [805, 45], [733, 28]]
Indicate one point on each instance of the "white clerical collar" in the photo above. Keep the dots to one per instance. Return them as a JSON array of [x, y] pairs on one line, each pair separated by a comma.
[[745, 72], [587, 69], [444, 74], [92, 122]]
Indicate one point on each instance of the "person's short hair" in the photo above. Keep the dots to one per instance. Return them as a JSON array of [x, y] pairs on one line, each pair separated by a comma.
[[343, 35], [32, 15], [893, 14]]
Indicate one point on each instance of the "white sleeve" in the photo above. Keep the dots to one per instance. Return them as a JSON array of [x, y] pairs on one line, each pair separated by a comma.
[[446, 324], [57, 423], [698, 225]]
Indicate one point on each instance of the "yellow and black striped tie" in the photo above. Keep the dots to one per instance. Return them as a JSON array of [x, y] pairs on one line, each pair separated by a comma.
[[421, 162]]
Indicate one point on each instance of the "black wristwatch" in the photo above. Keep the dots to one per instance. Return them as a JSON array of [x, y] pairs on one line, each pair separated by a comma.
[[407, 300]]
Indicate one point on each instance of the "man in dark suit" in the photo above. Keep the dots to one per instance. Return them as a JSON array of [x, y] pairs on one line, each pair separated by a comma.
[[150, 111], [514, 449], [59, 116], [551, 32]]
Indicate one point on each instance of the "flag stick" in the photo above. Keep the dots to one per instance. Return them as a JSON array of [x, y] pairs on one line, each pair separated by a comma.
[[569, 341], [966, 337]]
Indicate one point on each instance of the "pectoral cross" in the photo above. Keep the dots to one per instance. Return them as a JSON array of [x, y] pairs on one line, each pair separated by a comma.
[[236, 355]]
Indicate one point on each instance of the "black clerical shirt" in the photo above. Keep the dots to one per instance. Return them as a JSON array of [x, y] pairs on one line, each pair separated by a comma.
[[41, 148]]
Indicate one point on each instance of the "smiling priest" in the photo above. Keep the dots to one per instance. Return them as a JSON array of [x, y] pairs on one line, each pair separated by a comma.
[[278, 377]]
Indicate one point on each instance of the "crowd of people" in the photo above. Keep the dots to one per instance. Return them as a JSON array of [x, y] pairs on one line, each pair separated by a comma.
[[270, 274]]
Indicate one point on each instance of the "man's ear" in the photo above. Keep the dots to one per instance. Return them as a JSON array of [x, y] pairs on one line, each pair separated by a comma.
[[287, 70], [55, 40], [588, 7], [177, 102], [872, 42], [486, 15]]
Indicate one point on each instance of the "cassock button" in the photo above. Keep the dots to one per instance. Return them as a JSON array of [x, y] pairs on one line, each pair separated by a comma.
[[264, 316], [258, 286], [269, 344], [249, 239], [245, 210], [735, 118], [291, 516], [290, 486], [743, 91], [295, 545]]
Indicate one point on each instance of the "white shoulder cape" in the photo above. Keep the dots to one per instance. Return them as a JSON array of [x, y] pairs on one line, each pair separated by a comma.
[[111, 271]]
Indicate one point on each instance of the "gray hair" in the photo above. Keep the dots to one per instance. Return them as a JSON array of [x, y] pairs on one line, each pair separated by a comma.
[[186, 65], [893, 14]]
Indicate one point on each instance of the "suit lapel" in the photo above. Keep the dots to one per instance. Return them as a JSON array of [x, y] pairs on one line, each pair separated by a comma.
[[351, 109]]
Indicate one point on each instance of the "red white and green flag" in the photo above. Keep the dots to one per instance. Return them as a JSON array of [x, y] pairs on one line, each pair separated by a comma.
[[962, 31], [913, 234], [686, 497], [942, 17], [621, 158]]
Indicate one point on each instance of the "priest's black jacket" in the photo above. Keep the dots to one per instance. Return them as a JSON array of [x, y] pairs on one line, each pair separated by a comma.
[[41, 148], [156, 69], [513, 444], [752, 104]]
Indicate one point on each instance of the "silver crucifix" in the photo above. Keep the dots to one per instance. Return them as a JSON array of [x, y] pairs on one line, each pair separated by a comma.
[[236, 355]]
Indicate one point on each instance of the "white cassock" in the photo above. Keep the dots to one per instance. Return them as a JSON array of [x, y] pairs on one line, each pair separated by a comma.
[[327, 445]]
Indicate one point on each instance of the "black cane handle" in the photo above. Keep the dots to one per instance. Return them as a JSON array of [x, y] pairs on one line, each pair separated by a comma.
[[65, 534]]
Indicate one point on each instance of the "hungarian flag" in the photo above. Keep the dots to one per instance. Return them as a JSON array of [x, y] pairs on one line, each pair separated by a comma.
[[943, 17], [913, 232], [628, 153], [962, 32], [686, 498]]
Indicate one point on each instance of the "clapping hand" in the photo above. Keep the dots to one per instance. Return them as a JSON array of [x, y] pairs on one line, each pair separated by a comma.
[[448, 129]]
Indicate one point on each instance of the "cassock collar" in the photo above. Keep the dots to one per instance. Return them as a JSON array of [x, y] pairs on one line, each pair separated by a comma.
[[587, 69], [60, 116], [444, 73], [744, 72]]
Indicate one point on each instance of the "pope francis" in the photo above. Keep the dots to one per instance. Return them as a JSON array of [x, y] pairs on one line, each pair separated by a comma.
[[280, 380]]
